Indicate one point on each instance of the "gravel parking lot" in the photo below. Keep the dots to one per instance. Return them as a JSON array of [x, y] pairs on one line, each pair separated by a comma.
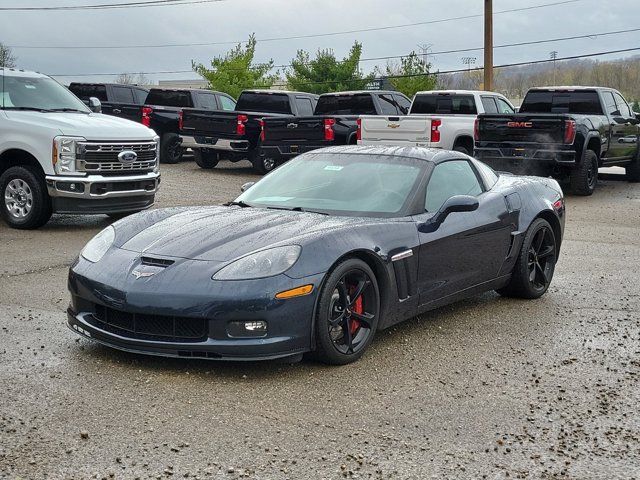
[[486, 388]]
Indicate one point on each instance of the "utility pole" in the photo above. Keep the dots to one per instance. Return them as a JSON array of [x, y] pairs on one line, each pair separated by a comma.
[[424, 48], [488, 45], [553, 55]]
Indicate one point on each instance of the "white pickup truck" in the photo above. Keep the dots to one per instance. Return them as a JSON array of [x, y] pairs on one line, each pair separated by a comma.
[[437, 119], [56, 155]]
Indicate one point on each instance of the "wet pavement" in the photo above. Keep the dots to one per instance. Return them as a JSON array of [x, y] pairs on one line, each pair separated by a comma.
[[486, 388]]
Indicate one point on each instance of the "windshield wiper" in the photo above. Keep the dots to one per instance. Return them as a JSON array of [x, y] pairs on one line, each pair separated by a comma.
[[237, 204], [34, 109], [297, 209], [68, 110]]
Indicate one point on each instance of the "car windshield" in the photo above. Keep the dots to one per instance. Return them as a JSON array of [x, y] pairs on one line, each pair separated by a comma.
[[42, 93], [351, 184]]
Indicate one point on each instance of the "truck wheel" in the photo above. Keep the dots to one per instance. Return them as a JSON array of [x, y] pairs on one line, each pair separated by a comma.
[[584, 177], [262, 164], [170, 149], [205, 158], [633, 169], [26, 205]]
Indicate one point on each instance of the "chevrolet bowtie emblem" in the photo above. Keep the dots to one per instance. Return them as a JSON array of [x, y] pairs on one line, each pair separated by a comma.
[[139, 275], [393, 125]]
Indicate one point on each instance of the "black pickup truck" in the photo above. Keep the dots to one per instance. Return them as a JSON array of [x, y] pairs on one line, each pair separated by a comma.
[[115, 99], [334, 122], [236, 135], [565, 132]]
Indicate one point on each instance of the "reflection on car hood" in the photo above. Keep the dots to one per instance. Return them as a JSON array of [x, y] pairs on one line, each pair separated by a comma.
[[223, 233]]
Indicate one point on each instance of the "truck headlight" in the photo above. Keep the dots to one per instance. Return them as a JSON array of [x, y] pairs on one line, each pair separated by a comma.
[[64, 154], [98, 245], [156, 168], [266, 263]]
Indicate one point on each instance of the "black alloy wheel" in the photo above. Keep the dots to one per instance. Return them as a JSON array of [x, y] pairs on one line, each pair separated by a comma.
[[171, 150], [348, 313], [534, 268]]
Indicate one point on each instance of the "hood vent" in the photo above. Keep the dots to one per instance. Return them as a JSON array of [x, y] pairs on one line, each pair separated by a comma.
[[157, 262]]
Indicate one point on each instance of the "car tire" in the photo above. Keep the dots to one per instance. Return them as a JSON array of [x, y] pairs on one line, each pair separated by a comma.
[[170, 149], [26, 204], [262, 164], [533, 271], [461, 149], [345, 326], [633, 169], [206, 159], [584, 177]]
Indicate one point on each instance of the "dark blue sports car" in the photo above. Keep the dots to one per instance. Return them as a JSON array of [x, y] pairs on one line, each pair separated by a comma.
[[317, 256]]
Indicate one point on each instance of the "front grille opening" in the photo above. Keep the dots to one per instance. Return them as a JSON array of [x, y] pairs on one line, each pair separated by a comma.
[[195, 354], [149, 327], [157, 262]]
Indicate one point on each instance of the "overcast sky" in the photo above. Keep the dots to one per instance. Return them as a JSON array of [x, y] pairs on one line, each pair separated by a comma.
[[234, 20]]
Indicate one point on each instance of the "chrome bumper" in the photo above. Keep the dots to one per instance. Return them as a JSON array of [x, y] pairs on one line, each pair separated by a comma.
[[224, 144], [97, 187]]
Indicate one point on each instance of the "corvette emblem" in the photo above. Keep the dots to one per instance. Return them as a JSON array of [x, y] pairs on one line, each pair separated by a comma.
[[140, 275]]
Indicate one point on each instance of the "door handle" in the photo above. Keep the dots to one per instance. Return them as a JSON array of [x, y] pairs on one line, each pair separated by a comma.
[[117, 110]]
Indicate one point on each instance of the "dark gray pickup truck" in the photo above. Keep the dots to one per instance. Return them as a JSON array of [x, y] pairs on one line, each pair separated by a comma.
[[564, 132]]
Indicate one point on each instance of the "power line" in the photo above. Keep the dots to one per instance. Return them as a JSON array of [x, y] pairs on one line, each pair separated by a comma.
[[296, 37], [108, 6], [461, 50]]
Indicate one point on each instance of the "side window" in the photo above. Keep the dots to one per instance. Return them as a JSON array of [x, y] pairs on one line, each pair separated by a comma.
[[141, 95], [207, 101], [404, 104], [504, 107], [226, 103], [489, 105], [305, 108], [623, 108], [490, 177], [455, 177], [123, 95], [387, 105], [609, 103]]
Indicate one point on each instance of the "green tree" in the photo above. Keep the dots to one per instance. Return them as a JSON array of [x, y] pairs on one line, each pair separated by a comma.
[[235, 71], [411, 75], [327, 74]]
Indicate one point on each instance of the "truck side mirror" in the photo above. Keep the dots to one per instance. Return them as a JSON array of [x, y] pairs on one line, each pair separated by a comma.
[[457, 203], [247, 186], [94, 105]]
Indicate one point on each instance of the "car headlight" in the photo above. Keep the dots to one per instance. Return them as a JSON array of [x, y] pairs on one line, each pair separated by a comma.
[[98, 245], [266, 263], [64, 153]]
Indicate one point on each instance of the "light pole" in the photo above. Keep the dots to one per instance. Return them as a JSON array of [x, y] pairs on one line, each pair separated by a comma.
[[488, 44], [553, 55]]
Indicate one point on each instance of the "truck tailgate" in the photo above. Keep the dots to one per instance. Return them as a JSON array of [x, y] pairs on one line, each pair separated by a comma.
[[414, 130], [294, 129], [522, 128], [208, 122]]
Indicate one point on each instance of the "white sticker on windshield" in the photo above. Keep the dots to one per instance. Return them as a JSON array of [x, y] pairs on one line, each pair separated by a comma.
[[335, 168]]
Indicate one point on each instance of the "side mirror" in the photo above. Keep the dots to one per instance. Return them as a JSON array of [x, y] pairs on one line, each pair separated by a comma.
[[94, 105], [457, 203], [247, 186]]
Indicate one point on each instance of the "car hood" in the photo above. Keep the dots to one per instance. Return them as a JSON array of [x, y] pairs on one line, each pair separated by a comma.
[[94, 126], [221, 233]]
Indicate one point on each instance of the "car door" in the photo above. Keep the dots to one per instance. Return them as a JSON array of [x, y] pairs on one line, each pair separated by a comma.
[[627, 128], [124, 104], [468, 248]]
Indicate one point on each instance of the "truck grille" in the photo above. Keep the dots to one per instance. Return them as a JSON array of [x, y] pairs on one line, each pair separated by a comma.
[[102, 158], [149, 327]]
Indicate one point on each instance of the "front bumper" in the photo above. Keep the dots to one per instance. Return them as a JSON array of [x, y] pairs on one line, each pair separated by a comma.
[[181, 294], [221, 144], [102, 194]]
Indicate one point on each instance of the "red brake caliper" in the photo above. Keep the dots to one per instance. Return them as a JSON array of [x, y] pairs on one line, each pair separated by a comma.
[[357, 307]]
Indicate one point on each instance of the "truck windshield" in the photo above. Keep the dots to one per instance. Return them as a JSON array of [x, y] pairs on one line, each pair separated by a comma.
[[264, 103], [345, 105], [84, 91], [169, 98], [444, 104], [562, 101], [42, 93]]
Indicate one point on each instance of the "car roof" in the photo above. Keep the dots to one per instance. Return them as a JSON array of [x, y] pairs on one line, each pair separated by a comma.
[[432, 155], [282, 92], [457, 92], [570, 87], [14, 72], [358, 92], [112, 84]]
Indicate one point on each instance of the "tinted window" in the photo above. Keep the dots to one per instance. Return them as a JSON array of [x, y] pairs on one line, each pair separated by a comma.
[[85, 90], [170, 98], [207, 101], [122, 95], [623, 108], [504, 107], [359, 104], [304, 106], [264, 102], [404, 104], [489, 105], [444, 104], [609, 103], [580, 102], [387, 105], [227, 103], [455, 177], [141, 95]]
